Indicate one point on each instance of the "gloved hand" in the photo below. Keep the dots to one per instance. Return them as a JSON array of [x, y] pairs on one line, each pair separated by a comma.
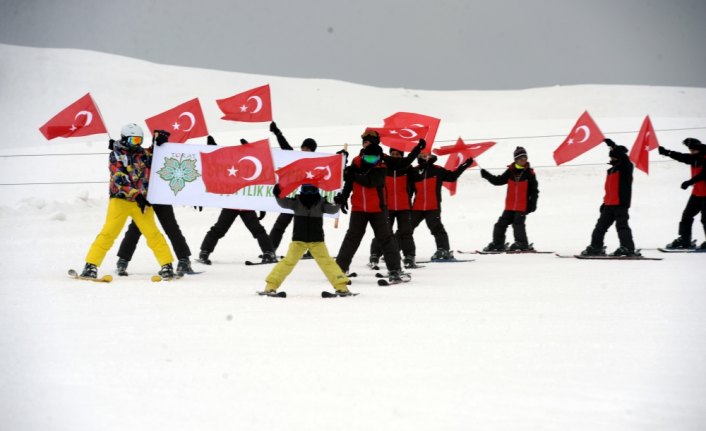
[[422, 144], [467, 163], [276, 190], [111, 143], [342, 202], [210, 140], [663, 151], [160, 137], [609, 142], [347, 174], [685, 185], [243, 141], [262, 215], [484, 173], [344, 152], [142, 202], [274, 129]]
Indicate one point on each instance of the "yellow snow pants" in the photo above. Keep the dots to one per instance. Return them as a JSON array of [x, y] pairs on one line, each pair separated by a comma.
[[118, 212], [320, 253]]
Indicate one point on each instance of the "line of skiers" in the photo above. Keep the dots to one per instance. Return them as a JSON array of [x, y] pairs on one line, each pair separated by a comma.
[[383, 190]]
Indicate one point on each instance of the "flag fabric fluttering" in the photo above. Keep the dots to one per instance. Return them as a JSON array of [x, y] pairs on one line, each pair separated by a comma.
[[646, 141], [459, 153], [81, 118], [227, 170], [410, 120], [325, 173], [183, 122], [584, 136], [252, 106]]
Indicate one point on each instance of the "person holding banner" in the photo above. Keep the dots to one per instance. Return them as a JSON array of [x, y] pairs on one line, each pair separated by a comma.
[[616, 204], [308, 235], [397, 186], [696, 158], [165, 215], [521, 199], [284, 219], [225, 221], [129, 169], [427, 179], [364, 181]]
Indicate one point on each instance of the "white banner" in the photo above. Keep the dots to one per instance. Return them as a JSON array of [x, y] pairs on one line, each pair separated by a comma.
[[175, 179]]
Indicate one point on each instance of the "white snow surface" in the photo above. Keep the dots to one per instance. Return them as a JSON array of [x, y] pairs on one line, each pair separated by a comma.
[[502, 343]]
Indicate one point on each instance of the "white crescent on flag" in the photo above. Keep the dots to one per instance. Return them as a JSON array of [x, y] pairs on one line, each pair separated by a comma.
[[586, 131], [258, 107], [89, 117], [328, 171], [258, 167], [413, 134], [191, 117]]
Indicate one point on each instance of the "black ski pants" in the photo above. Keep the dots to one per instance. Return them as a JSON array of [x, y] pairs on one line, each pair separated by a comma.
[[356, 230], [507, 218], [609, 215], [695, 205], [433, 220], [277, 231], [225, 221], [165, 215], [403, 236]]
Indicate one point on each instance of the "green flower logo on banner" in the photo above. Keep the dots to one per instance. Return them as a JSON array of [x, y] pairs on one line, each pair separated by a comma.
[[179, 171]]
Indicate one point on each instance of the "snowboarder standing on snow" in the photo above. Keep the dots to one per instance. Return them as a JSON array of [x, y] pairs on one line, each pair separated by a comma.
[[165, 215], [308, 235], [129, 173], [696, 158], [616, 204], [225, 221], [365, 180], [399, 204], [520, 200], [428, 179], [283, 220]]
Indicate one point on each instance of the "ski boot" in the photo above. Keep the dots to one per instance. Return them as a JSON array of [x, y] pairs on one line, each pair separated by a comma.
[[184, 267], [521, 246], [702, 246], [594, 251], [203, 258], [374, 261], [493, 247], [681, 243], [89, 271], [166, 272], [269, 257], [121, 268], [624, 251], [410, 262], [442, 254], [342, 290], [397, 276]]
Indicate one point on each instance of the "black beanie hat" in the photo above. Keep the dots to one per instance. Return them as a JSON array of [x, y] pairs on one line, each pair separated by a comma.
[[519, 152], [373, 149], [371, 136], [616, 150], [399, 151], [309, 143], [691, 143]]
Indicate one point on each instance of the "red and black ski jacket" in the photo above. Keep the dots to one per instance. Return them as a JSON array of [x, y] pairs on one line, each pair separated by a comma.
[[366, 186], [618, 182], [522, 187], [397, 181], [698, 173], [427, 180]]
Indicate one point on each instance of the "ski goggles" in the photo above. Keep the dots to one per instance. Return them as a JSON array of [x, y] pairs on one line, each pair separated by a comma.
[[371, 159], [134, 140], [308, 189]]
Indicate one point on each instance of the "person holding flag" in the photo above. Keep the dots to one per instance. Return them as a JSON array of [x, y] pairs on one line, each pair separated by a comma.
[[696, 158], [427, 179], [308, 236], [520, 200], [616, 204], [129, 168]]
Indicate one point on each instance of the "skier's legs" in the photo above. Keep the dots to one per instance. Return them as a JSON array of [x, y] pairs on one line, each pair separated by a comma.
[[404, 236], [693, 206], [357, 223], [623, 228], [278, 229], [383, 233], [165, 215], [333, 272], [505, 219], [605, 220], [118, 212], [129, 242], [258, 232], [375, 247], [155, 240], [433, 220], [218, 230], [285, 266], [518, 227]]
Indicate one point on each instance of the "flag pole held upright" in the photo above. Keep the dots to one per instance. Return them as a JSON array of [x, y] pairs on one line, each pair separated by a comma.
[[335, 222]]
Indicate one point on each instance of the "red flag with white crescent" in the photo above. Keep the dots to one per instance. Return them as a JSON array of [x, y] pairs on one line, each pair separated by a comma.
[[646, 141], [81, 118], [584, 136], [458, 154], [325, 173], [400, 138], [252, 106], [183, 122], [411, 119], [227, 170]]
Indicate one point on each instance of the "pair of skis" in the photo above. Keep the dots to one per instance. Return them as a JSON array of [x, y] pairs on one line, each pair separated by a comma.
[[324, 294], [108, 278]]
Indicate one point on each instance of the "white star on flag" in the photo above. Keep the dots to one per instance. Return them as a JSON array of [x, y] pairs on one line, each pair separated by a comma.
[[244, 108], [232, 171], [175, 126], [73, 127], [393, 132], [309, 175]]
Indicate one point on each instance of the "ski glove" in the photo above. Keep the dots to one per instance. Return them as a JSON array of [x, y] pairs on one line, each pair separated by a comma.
[[274, 129], [467, 163], [685, 185], [663, 151], [422, 144], [276, 190], [609, 142], [210, 140], [344, 152], [343, 202], [142, 203], [110, 144], [243, 141], [160, 137]]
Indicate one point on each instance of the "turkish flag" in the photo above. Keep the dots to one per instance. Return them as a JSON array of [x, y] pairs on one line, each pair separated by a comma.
[[81, 118], [584, 136], [183, 122], [253, 106], [227, 170], [458, 154], [645, 142], [325, 173], [410, 120], [400, 138]]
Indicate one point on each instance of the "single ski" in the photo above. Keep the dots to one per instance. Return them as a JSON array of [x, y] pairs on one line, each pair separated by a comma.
[[157, 278], [415, 266], [280, 294], [386, 282], [104, 279], [327, 294], [446, 260], [352, 274], [682, 250], [251, 263], [513, 252], [404, 275], [607, 257]]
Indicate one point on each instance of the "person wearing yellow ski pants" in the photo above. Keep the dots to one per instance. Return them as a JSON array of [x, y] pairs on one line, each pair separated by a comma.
[[118, 212], [320, 253]]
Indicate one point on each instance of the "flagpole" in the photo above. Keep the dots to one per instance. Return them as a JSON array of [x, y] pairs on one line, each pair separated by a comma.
[[100, 114], [335, 222]]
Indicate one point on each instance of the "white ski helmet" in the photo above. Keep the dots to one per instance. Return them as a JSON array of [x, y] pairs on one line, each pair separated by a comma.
[[131, 129]]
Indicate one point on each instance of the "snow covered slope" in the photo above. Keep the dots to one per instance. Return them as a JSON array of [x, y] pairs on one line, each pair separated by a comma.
[[505, 342]]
